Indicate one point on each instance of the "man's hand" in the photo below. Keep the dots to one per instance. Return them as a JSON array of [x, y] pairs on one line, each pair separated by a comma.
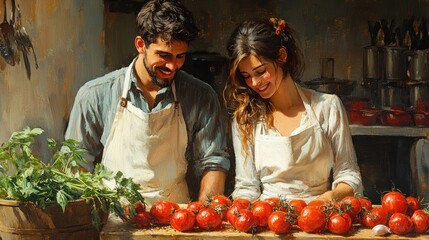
[[212, 183]]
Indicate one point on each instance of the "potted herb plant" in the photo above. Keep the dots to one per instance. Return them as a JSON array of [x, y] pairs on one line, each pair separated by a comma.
[[56, 200]]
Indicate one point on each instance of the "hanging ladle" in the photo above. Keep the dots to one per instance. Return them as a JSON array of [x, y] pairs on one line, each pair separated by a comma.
[[8, 48], [24, 42]]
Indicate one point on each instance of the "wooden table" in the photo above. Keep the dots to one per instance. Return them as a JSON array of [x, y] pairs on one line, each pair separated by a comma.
[[115, 229]]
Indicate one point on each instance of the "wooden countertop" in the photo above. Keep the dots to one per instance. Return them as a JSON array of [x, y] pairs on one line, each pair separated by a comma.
[[115, 229]]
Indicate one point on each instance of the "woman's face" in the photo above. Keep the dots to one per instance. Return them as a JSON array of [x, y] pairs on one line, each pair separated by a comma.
[[260, 75]]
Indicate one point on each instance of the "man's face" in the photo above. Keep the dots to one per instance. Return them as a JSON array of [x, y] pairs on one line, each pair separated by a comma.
[[162, 60]]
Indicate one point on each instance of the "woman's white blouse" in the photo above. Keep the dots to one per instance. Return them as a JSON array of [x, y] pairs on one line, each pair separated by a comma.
[[333, 119]]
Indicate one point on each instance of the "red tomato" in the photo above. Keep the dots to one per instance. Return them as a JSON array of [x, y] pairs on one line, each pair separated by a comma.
[[420, 220], [297, 205], [245, 221], [318, 203], [332, 209], [351, 205], [208, 219], [220, 203], [312, 220], [142, 219], [413, 205], [365, 203], [126, 214], [219, 200], [183, 220], [273, 201], [374, 217], [162, 211], [261, 211], [139, 207], [340, 223], [394, 202], [321, 204], [241, 202], [400, 224], [278, 222], [232, 213], [195, 207]]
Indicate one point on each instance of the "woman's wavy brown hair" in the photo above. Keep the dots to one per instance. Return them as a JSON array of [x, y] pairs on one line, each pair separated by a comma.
[[257, 37]]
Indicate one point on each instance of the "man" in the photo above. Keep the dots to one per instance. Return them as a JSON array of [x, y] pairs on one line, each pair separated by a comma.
[[152, 121]]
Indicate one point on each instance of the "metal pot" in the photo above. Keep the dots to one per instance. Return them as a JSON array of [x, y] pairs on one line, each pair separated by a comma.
[[418, 65], [394, 95], [372, 62], [394, 63], [419, 91]]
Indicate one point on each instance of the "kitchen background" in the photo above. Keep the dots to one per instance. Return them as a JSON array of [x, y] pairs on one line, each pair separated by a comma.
[[78, 40]]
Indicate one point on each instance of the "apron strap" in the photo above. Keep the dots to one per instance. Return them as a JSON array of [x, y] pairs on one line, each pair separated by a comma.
[[308, 108]]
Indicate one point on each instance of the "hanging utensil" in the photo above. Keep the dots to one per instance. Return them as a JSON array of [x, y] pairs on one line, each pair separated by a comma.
[[385, 27], [8, 48], [379, 42], [408, 40], [24, 42], [398, 37], [423, 35], [371, 32]]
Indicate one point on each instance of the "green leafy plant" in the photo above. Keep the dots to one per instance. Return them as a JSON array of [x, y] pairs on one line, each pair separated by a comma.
[[25, 178]]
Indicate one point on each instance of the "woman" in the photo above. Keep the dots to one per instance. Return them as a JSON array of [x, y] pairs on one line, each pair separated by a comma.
[[288, 140]]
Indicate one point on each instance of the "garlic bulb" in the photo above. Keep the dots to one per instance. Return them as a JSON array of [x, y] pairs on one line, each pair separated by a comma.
[[380, 230]]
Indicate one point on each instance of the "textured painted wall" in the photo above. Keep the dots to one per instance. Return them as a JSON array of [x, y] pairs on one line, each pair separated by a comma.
[[76, 40], [329, 28], [68, 37]]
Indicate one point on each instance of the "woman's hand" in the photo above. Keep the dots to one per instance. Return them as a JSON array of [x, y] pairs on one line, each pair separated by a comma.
[[327, 196], [341, 191]]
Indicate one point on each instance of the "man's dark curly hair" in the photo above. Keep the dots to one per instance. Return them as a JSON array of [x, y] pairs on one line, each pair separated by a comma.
[[168, 19]]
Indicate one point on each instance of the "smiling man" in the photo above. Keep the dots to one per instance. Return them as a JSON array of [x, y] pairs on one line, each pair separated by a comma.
[[152, 121]]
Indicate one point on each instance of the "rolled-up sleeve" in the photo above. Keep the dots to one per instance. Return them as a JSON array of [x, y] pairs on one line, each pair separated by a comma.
[[345, 167], [247, 181], [209, 136], [84, 126]]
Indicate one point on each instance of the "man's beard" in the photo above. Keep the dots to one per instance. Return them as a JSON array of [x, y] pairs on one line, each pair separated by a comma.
[[153, 77]]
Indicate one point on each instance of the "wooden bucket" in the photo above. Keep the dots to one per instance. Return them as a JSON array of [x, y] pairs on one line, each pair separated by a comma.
[[26, 221]]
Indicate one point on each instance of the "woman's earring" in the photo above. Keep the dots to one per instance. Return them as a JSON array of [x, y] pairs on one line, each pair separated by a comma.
[[283, 55]]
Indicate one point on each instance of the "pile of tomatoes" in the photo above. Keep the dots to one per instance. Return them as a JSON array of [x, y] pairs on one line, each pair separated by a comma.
[[400, 214]]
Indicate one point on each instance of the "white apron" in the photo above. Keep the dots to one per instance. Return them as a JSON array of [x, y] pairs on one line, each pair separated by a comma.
[[150, 148], [295, 166]]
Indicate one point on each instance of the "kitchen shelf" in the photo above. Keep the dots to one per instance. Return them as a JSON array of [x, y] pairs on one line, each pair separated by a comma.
[[389, 131]]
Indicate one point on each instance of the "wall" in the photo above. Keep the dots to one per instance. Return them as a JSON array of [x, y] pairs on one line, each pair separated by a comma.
[[329, 28], [68, 37], [76, 40]]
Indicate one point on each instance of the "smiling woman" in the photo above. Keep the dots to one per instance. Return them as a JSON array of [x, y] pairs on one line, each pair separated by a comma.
[[287, 139]]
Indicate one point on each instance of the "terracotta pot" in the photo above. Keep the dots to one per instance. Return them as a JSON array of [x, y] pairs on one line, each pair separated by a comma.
[[27, 221], [421, 118], [357, 105], [364, 116], [396, 117]]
